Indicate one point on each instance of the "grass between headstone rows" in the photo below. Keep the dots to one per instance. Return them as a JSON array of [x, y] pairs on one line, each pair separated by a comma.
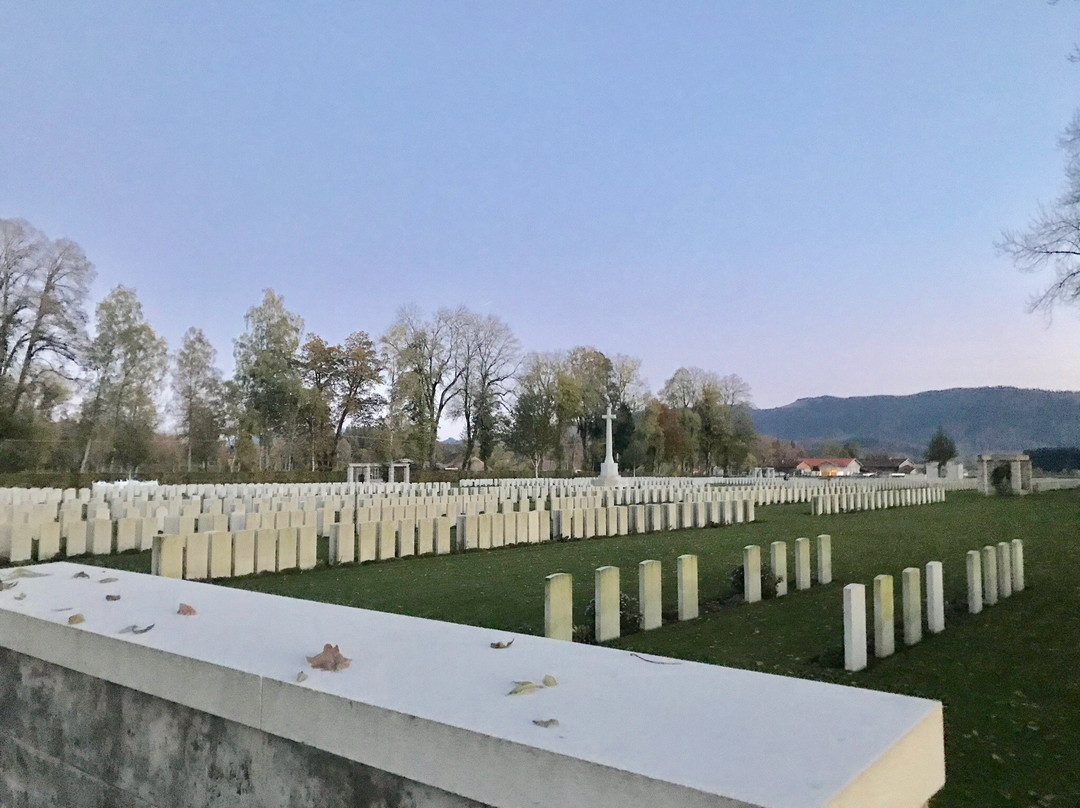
[[1009, 678]]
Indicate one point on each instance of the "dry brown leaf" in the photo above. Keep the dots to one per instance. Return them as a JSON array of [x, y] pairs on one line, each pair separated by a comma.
[[75, 619], [549, 681], [547, 722], [186, 610], [81, 574], [502, 644], [108, 580], [522, 688], [329, 659], [112, 598], [301, 677]]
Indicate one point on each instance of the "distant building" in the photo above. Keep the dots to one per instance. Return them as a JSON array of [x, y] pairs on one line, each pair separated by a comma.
[[828, 467], [888, 465]]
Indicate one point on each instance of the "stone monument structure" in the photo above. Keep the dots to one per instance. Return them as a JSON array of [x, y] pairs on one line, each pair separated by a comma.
[[609, 469], [1015, 467], [391, 468]]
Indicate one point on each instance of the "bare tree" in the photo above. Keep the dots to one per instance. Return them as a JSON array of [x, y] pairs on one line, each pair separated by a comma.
[[44, 286], [430, 375], [1052, 237], [733, 391], [687, 386], [626, 385], [488, 358]]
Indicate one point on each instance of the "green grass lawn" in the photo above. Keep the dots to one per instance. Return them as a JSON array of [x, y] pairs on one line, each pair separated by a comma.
[[1009, 678]]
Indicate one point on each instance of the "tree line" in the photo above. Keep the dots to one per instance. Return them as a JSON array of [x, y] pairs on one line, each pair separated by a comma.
[[105, 394]]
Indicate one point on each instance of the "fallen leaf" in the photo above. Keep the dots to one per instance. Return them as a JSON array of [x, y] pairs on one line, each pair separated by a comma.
[[75, 619], [81, 574], [547, 722], [301, 677], [329, 659], [549, 681], [137, 630], [522, 688], [186, 610], [65, 609], [502, 644], [23, 572], [21, 596], [8, 585], [112, 597], [108, 580]]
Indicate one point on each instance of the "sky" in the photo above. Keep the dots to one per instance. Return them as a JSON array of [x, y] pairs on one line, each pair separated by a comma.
[[805, 194]]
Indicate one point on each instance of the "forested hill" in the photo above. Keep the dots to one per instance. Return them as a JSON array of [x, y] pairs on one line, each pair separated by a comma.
[[979, 419]]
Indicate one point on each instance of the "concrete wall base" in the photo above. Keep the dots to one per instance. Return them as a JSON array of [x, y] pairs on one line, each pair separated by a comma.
[[68, 740]]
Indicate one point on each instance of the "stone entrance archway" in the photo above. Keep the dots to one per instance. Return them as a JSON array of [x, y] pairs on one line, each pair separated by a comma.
[[999, 473]]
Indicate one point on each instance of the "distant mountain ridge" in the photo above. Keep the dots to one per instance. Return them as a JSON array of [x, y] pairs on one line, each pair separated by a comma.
[[978, 419]]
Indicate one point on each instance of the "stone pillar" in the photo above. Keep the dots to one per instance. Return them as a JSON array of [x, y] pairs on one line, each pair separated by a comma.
[[1017, 565], [751, 573], [854, 627], [912, 600], [984, 475], [778, 562], [974, 582], [802, 563], [649, 594], [935, 598], [407, 468], [559, 606], [1016, 476], [688, 587], [606, 602], [824, 558], [884, 617], [1004, 569], [990, 576]]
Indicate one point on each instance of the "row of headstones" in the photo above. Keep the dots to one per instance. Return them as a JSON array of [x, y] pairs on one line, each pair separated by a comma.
[[486, 530], [850, 501], [778, 559], [44, 541], [590, 482], [559, 599], [76, 511], [229, 490], [201, 556], [375, 541], [48, 540], [620, 520], [451, 505], [997, 571], [558, 588]]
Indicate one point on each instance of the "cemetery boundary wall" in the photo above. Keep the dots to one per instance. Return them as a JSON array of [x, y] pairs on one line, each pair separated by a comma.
[[72, 740]]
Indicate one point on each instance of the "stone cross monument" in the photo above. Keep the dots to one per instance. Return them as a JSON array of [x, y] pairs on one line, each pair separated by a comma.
[[609, 469]]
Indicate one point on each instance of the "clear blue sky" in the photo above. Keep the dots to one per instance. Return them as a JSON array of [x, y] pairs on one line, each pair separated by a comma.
[[806, 194]]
